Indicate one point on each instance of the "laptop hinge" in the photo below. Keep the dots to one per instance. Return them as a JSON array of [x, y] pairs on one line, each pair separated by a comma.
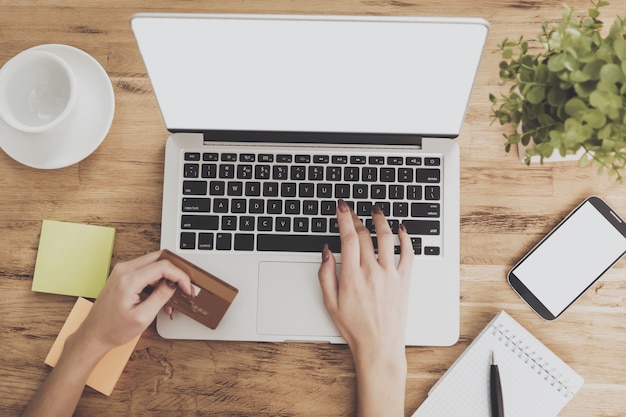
[[312, 137]]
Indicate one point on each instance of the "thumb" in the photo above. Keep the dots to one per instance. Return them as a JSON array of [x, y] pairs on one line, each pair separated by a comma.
[[161, 294], [327, 275]]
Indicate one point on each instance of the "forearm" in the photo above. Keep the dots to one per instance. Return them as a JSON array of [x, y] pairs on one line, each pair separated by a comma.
[[381, 384], [61, 391]]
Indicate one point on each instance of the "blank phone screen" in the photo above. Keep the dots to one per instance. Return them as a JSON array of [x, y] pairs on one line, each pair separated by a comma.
[[571, 258]]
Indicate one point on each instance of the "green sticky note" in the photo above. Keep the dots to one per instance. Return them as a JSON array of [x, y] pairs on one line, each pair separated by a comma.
[[73, 259]]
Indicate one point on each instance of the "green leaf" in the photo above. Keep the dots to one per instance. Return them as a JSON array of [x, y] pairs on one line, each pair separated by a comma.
[[611, 73], [556, 96], [536, 94], [574, 106], [556, 62], [620, 48], [594, 118], [593, 69]]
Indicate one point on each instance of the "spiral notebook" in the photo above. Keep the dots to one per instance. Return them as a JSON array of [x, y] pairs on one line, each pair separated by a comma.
[[535, 382]]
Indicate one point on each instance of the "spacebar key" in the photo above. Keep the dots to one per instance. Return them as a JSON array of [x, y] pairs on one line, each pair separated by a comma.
[[297, 243]]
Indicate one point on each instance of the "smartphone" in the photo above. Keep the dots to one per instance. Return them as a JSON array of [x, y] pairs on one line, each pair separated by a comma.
[[570, 258]]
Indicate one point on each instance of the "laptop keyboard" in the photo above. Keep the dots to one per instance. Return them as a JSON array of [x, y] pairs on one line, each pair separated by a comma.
[[286, 202]]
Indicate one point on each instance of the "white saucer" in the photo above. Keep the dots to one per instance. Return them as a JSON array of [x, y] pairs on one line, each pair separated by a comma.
[[95, 106]]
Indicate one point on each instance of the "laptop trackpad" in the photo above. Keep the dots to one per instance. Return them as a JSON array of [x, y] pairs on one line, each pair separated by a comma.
[[290, 301]]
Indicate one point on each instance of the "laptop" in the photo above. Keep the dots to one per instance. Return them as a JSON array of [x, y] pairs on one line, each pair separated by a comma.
[[275, 117]]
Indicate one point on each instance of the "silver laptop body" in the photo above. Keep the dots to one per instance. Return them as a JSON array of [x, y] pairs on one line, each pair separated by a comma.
[[338, 99]]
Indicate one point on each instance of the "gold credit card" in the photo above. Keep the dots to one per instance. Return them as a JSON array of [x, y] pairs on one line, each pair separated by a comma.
[[212, 295]]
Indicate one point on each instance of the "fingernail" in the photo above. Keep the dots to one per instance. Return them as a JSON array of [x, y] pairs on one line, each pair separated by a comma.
[[343, 206], [325, 253], [376, 209], [172, 315], [170, 284], [402, 227]]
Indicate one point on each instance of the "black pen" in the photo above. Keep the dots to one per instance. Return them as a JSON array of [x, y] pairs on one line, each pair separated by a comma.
[[497, 405]]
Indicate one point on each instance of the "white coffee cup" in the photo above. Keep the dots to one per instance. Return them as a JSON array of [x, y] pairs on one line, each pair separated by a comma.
[[37, 92]]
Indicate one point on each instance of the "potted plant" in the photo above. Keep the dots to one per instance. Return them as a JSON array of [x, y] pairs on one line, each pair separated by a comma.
[[568, 96]]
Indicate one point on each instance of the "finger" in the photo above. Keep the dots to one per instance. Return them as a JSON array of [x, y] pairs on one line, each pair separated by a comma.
[[162, 293], [350, 256], [155, 271], [405, 264], [384, 237], [140, 262], [366, 246], [327, 275]]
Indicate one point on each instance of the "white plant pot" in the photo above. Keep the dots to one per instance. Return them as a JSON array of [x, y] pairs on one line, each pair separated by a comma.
[[555, 157]]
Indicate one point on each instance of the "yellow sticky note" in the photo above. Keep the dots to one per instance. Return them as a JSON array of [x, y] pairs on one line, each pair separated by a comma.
[[73, 259], [106, 374]]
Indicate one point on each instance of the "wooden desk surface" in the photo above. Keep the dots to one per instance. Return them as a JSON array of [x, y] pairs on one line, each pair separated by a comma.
[[505, 208]]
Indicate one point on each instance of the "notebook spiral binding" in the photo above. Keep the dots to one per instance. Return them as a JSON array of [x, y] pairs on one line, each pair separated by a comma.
[[534, 360]]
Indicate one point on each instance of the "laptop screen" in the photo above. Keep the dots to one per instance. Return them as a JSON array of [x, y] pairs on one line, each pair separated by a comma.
[[384, 75]]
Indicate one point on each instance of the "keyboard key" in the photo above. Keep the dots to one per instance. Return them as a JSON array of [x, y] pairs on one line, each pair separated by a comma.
[[306, 189], [400, 209], [324, 190], [417, 245], [274, 206], [194, 187], [359, 191], [363, 208], [209, 156], [321, 159], [376, 160], [424, 210], [197, 204], [292, 207], [422, 227], [301, 224], [342, 191], [413, 160], [238, 205], [234, 188], [405, 175], [191, 170], [223, 241], [253, 189], [395, 160], [284, 158], [297, 243], [328, 208], [288, 189], [209, 171], [244, 172], [414, 192], [205, 241], [247, 157], [318, 224], [262, 172], [192, 156], [187, 240], [227, 171], [256, 206], [378, 192], [298, 173], [316, 173], [244, 242], [264, 224], [427, 175], [387, 175], [303, 159], [229, 157], [283, 224], [220, 205], [351, 174], [264, 157], [199, 222], [246, 223], [333, 173], [357, 160], [310, 207], [431, 250], [432, 162], [229, 223], [280, 172], [270, 189], [217, 187], [369, 174], [396, 192], [339, 159], [432, 193]]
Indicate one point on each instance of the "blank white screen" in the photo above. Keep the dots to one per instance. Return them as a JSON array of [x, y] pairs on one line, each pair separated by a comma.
[[315, 74], [567, 262]]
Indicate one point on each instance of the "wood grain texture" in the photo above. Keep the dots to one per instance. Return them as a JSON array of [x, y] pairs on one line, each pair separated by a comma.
[[506, 208]]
